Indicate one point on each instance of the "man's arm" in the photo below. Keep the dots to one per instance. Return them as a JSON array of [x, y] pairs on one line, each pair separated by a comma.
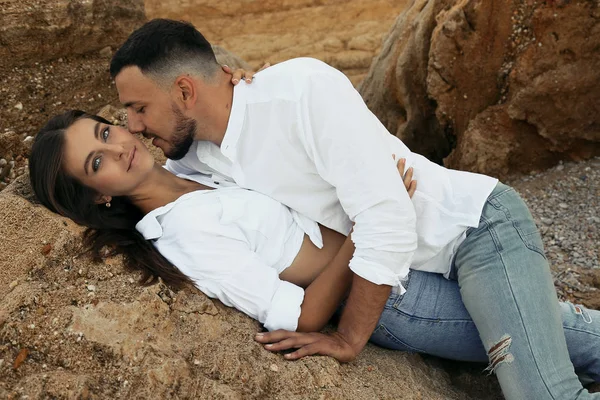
[[325, 293], [350, 148], [336, 345]]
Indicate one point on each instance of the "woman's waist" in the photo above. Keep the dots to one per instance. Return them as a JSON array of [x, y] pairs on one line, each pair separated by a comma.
[[310, 260]]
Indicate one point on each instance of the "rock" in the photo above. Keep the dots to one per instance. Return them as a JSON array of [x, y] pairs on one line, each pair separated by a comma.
[[46, 249], [106, 52], [11, 145], [225, 57], [345, 34], [112, 114], [19, 106], [52, 29], [395, 88], [23, 353], [467, 82]]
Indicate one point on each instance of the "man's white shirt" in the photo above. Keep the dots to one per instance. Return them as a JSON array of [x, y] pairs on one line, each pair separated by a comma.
[[301, 134]]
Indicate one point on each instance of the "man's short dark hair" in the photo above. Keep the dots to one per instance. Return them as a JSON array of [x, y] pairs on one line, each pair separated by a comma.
[[164, 49]]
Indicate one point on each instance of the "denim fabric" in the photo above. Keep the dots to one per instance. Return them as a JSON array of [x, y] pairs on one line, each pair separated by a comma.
[[503, 302]]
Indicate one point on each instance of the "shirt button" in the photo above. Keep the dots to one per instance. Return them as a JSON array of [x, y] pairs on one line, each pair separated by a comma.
[[215, 182]]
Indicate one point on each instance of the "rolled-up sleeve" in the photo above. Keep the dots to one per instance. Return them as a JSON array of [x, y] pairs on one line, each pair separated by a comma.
[[225, 268], [352, 152]]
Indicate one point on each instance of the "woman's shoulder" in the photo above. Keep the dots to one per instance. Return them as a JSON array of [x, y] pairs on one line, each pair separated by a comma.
[[221, 212]]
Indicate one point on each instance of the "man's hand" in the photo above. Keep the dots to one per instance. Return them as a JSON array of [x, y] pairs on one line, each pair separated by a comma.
[[308, 344], [241, 74]]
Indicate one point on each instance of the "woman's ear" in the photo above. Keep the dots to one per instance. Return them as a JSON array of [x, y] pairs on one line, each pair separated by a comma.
[[102, 199]]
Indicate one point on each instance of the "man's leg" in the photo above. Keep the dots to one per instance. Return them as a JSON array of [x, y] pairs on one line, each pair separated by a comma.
[[431, 318], [507, 288]]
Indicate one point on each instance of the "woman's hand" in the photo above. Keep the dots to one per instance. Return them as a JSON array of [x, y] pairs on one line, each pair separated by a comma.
[[242, 74], [409, 184]]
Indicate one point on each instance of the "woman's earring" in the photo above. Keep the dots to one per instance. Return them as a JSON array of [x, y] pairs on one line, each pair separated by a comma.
[[107, 204]]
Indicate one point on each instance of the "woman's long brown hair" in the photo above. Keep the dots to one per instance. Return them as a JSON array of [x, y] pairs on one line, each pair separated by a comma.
[[111, 229]]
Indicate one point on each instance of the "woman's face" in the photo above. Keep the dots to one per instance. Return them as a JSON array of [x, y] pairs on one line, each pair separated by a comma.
[[106, 158]]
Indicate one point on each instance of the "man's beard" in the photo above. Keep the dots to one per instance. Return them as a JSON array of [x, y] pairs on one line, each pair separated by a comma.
[[183, 135]]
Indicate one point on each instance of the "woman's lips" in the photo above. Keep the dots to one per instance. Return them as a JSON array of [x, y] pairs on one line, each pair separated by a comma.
[[132, 157]]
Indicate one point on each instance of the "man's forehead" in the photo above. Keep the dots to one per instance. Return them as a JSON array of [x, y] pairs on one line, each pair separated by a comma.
[[131, 82]]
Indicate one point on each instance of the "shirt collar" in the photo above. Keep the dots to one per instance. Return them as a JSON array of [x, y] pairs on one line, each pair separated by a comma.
[[236, 119], [149, 226]]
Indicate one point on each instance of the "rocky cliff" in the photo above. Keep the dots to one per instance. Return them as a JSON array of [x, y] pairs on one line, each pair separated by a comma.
[[33, 30], [492, 86]]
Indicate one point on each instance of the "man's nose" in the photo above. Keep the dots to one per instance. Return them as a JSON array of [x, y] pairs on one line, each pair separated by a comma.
[[134, 123]]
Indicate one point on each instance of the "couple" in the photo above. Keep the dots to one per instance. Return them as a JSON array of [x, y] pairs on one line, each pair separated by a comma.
[[281, 198]]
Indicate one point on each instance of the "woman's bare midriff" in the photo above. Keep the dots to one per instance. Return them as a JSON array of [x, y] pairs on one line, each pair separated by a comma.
[[311, 260]]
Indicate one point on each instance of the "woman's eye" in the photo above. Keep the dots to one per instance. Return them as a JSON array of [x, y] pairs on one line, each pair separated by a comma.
[[96, 164], [141, 110], [105, 134]]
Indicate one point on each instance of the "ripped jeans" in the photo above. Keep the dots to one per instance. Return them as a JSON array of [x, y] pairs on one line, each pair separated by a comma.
[[501, 309]]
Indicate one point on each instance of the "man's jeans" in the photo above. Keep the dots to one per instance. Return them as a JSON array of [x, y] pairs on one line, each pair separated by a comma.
[[502, 309]]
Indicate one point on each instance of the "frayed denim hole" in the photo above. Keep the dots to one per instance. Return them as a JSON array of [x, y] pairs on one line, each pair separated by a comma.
[[579, 310]]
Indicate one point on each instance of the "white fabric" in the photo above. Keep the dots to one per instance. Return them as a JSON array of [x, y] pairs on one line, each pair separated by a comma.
[[301, 134], [234, 243]]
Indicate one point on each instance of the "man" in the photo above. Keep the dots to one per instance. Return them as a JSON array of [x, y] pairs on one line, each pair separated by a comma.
[[302, 135]]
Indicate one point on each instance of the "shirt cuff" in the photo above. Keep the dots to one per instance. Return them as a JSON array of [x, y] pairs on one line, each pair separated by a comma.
[[285, 308], [379, 274]]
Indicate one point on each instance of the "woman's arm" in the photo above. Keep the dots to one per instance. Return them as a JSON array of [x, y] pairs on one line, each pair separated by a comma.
[[326, 292]]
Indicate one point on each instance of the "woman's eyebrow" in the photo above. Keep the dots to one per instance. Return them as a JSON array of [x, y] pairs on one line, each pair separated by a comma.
[[97, 130], [87, 159]]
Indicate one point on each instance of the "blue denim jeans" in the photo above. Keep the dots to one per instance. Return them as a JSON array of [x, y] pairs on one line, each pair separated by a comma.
[[501, 309]]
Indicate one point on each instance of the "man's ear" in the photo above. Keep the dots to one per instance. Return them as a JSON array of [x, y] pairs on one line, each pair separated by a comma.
[[102, 199], [186, 91]]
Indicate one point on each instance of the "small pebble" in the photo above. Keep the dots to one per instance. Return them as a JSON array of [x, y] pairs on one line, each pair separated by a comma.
[[19, 106], [91, 288], [274, 368]]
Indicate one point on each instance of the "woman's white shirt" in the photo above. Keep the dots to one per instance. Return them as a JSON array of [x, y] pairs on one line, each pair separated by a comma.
[[233, 243]]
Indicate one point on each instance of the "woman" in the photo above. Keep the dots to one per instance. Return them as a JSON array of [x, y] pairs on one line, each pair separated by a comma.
[[257, 255]]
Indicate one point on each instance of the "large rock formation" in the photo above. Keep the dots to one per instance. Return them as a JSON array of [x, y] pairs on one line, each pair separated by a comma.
[[494, 86], [33, 31], [345, 34], [73, 328]]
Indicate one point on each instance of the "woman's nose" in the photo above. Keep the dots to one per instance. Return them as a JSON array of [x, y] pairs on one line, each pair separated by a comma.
[[116, 150]]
